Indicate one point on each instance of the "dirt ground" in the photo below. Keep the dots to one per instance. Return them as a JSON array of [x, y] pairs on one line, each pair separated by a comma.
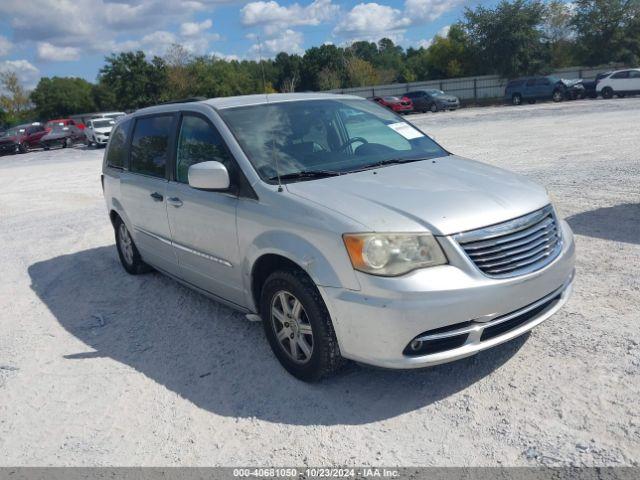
[[101, 368]]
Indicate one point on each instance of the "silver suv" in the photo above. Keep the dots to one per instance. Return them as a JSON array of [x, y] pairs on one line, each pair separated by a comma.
[[346, 229]]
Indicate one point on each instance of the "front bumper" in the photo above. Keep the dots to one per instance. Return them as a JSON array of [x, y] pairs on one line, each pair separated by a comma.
[[8, 148], [376, 324]]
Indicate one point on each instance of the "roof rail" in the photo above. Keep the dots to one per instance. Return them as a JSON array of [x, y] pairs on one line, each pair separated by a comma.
[[184, 100]]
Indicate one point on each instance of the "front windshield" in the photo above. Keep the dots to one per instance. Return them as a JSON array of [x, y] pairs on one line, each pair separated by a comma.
[[103, 123], [435, 93], [337, 136]]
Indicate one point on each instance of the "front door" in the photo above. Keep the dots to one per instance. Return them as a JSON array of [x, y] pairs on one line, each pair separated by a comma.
[[203, 223], [144, 190]]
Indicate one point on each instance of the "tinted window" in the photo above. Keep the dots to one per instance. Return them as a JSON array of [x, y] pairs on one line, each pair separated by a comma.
[[624, 74], [117, 146], [150, 145], [543, 81], [198, 142], [531, 82], [634, 74]]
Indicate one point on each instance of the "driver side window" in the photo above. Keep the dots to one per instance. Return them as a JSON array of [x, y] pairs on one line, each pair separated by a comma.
[[198, 141]]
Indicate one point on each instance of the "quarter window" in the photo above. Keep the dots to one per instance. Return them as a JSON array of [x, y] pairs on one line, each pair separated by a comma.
[[150, 145], [198, 142], [634, 74]]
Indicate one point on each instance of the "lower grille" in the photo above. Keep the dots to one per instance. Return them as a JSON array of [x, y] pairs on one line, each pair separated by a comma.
[[516, 247]]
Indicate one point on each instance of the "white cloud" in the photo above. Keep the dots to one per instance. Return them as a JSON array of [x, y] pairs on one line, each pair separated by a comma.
[[50, 52], [444, 31], [225, 56], [100, 26], [370, 21], [25, 70], [5, 46], [272, 14], [426, 43], [190, 29], [288, 41]]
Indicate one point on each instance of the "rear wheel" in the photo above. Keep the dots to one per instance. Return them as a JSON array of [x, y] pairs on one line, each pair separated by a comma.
[[433, 108], [127, 250], [516, 99], [607, 92], [22, 148], [298, 326]]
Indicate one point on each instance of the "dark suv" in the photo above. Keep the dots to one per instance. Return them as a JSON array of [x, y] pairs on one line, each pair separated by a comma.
[[540, 88]]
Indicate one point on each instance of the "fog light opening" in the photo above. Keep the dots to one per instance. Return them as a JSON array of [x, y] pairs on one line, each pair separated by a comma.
[[416, 345]]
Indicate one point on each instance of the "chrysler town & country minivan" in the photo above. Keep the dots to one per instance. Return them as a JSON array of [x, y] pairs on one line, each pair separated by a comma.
[[346, 229]]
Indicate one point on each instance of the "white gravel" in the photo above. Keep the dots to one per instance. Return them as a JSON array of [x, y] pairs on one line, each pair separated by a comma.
[[101, 368]]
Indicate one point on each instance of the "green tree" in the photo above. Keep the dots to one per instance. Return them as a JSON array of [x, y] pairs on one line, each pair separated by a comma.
[[62, 96], [321, 67], [134, 81], [508, 38], [288, 71], [360, 73], [14, 100], [608, 31], [560, 34]]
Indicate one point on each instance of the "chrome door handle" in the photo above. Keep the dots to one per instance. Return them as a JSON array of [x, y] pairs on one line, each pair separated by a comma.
[[175, 201], [156, 196]]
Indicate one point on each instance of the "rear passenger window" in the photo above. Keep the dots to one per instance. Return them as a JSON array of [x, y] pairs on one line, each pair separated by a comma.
[[198, 142], [531, 82], [117, 146], [624, 74], [150, 145]]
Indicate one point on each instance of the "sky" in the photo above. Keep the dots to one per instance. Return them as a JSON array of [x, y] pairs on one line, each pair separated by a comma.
[[71, 37]]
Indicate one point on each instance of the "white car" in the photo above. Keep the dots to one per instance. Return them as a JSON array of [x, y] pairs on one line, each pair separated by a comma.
[[620, 83], [113, 115], [98, 130]]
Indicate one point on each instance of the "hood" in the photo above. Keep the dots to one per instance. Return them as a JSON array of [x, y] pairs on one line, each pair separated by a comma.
[[446, 195], [103, 130], [8, 139]]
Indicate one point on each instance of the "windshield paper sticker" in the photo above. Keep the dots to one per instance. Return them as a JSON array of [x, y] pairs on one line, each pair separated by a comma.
[[406, 130]]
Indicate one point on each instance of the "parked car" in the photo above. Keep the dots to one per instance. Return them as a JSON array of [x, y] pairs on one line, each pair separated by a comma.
[[590, 85], [397, 104], [62, 136], [22, 138], [531, 89], [98, 130], [63, 122], [433, 100], [347, 230], [620, 83], [574, 89], [113, 115]]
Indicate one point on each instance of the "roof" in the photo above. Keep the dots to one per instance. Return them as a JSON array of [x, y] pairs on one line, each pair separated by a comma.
[[246, 100]]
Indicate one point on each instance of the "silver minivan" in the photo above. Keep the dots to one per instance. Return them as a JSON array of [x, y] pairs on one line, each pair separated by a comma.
[[347, 230]]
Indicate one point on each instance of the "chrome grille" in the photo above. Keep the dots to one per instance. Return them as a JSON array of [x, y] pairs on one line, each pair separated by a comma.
[[516, 247]]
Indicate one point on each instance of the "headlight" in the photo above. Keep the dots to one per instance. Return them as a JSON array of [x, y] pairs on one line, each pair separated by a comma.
[[392, 254]]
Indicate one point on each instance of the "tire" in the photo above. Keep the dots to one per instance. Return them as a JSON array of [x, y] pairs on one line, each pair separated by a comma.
[[607, 92], [557, 96], [532, 101], [621, 95], [314, 340], [22, 148], [433, 108], [516, 99], [130, 258]]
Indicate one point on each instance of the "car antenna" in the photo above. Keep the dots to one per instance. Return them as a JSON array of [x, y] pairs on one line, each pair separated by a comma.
[[264, 84], [275, 159]]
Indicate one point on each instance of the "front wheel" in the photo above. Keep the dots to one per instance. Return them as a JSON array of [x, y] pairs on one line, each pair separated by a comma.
[[434, 108], [298, 326], [516, 99], [557, 96], [607, 92]]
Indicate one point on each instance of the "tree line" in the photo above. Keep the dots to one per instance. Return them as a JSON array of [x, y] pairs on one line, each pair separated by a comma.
[[513, 38]]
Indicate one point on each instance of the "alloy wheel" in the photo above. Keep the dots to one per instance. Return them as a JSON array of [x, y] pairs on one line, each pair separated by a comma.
[[291, 326], [126, 244]]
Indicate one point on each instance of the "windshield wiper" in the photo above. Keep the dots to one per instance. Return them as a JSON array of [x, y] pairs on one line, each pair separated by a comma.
[[390, 161], [306, 174]]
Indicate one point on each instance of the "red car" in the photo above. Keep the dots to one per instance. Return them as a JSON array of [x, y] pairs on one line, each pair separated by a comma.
[[63, 122], [21, 138], [397, 104]]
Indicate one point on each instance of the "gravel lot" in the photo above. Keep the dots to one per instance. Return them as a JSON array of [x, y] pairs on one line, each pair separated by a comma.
[[101, 368]]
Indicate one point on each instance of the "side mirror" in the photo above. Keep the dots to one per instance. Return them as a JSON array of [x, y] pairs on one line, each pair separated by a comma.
[[208, 176]]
